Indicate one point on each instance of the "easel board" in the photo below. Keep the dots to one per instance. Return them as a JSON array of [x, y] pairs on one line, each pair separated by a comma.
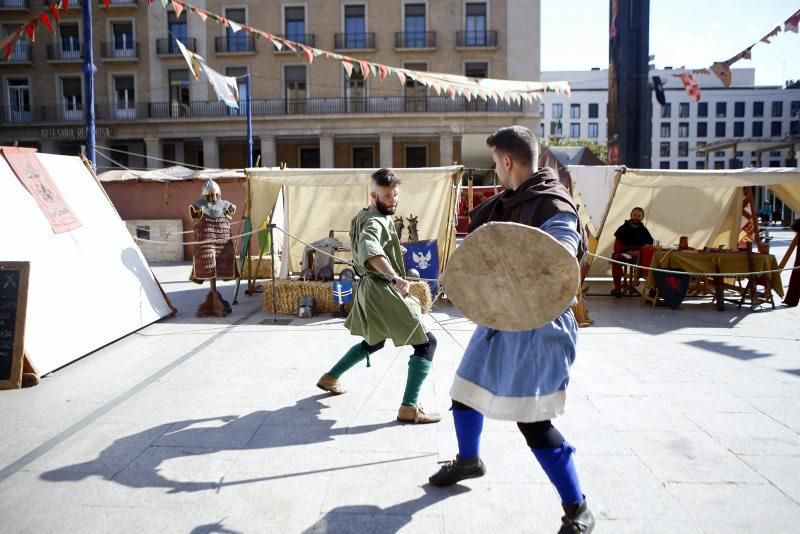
[[13, 306]]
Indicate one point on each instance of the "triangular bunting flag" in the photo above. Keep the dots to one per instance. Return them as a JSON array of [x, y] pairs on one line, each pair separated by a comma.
[[348, 67], [374, 68], [775, 31], [8, 49], [54, 11], [234, 26], [317, 52], [178, 7], [308, 53], [46, 21], [30, 30], [65, 5], [107, 4], [201, 13], [165, 3], [401, 75], [790, 24], [364, 66], [383, 71]]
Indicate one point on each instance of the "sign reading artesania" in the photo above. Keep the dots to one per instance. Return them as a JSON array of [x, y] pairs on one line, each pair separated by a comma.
[[73, 133]]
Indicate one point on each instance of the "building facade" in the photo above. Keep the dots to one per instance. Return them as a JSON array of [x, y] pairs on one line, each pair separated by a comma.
[[305, 115], [682, 127]]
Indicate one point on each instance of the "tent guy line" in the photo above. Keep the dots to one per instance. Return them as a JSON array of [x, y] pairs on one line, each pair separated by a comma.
[[668, 271]]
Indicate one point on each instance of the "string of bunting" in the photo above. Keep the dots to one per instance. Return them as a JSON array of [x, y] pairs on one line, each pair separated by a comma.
[[443, 84], [722, 69]]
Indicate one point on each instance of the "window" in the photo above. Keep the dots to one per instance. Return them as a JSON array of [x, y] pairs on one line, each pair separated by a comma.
[[738, 109], [683, 110], [777, 108], [124, 96], [719, 165], [592, 133], [795, 109], [774, 153], [774, 163], [416, 94], [722, 109], [719, 129], [142, 232], [19, 100], [758, 129], [558, 111], [122, 35], [758, 109], [355, 27], [72, 98], [702, 129], [719, 154], [477, 70], [575, 130], [738, 129], [683, 164], [541, 130], [574, 111], [363, 157], [702, 109], [179, 95], [663, 165], [309, 157], [775, 129], [295, 23], [241, 83], [236, 42], [666, 110], [683, 149], [541, 108], [415, 25], [555, 129], [177, 29], [593, 110], [664, 149], [295, 88], [699, 164], [355, 92], [70, 41], [665, 129], [683, 129], [416, 156], [476, 24]]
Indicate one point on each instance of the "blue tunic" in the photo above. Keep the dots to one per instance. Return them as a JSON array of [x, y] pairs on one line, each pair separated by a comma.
[[522, 376]]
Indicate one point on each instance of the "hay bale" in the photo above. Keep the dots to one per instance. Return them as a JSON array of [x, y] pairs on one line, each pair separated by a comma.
[[288, 291], [264, 269]]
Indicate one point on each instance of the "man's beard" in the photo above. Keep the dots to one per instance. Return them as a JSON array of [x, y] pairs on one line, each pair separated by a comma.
[[384, 209], [635, 223]]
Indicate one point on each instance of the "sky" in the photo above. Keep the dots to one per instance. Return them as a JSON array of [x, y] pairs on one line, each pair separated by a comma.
[[690, 33]]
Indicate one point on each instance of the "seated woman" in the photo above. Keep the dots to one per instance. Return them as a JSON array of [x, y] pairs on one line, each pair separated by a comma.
[[631, 236]]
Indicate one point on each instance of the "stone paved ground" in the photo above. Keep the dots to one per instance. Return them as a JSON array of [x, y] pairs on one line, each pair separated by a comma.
[[684, 421]]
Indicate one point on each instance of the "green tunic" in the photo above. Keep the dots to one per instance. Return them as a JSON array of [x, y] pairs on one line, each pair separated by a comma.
[[379, 312]]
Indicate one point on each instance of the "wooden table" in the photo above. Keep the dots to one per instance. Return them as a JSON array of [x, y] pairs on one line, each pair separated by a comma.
[[696, 261]]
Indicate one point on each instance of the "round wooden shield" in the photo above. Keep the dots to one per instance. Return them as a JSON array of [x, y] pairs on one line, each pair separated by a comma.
[[511, 277]]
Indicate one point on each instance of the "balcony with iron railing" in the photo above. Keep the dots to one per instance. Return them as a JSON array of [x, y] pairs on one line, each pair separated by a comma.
[[20, 54], [308, 39], [14, 5], [120, 51], [168, 46], [354, 41], [235, 44], [120, 3], [274, 107], [64, 51], [72, 3], [415, 40], [473, 39]]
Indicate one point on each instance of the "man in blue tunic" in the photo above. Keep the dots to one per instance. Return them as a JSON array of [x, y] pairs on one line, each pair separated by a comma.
[[522, 376]]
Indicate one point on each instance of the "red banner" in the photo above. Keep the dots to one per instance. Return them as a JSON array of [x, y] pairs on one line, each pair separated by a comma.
[[32, 174]]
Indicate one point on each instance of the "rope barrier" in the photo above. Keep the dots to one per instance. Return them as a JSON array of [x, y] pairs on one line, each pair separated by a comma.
[[669, 271]]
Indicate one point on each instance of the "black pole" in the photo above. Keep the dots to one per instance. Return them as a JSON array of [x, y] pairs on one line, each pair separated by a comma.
[[88, 75], [629, 115]]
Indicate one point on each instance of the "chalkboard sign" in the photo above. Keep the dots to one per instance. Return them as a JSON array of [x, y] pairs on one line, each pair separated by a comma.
[[13, 303]]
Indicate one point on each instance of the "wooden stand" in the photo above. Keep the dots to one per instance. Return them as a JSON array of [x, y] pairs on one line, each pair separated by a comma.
[[214, 303]]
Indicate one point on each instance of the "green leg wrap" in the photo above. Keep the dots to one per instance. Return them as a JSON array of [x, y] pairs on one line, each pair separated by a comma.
[[418, 369], [353, 356]]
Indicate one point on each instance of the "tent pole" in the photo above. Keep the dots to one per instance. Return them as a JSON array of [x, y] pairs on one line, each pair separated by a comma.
[[249, 122], [272, 255], [88, 74]]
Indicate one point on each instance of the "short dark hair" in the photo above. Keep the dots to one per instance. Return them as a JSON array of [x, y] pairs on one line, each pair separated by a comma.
[[638, 208], [385, 178], [517, 142]]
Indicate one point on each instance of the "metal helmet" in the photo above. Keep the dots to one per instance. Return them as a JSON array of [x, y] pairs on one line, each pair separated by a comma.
[[211, 188]]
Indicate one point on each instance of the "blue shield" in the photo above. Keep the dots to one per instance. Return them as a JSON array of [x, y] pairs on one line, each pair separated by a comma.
[[673, 287], [342, 291], [424, 257]]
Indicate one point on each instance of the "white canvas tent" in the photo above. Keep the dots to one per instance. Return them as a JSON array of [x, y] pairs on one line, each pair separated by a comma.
[[308, 203], [88, 286], [706, 206]]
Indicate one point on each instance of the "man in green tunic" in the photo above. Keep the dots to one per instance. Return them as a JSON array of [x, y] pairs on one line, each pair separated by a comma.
[[382, 307]]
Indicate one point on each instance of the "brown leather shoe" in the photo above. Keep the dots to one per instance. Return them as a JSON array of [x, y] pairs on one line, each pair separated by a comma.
[[328, 383], [416, 415]]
